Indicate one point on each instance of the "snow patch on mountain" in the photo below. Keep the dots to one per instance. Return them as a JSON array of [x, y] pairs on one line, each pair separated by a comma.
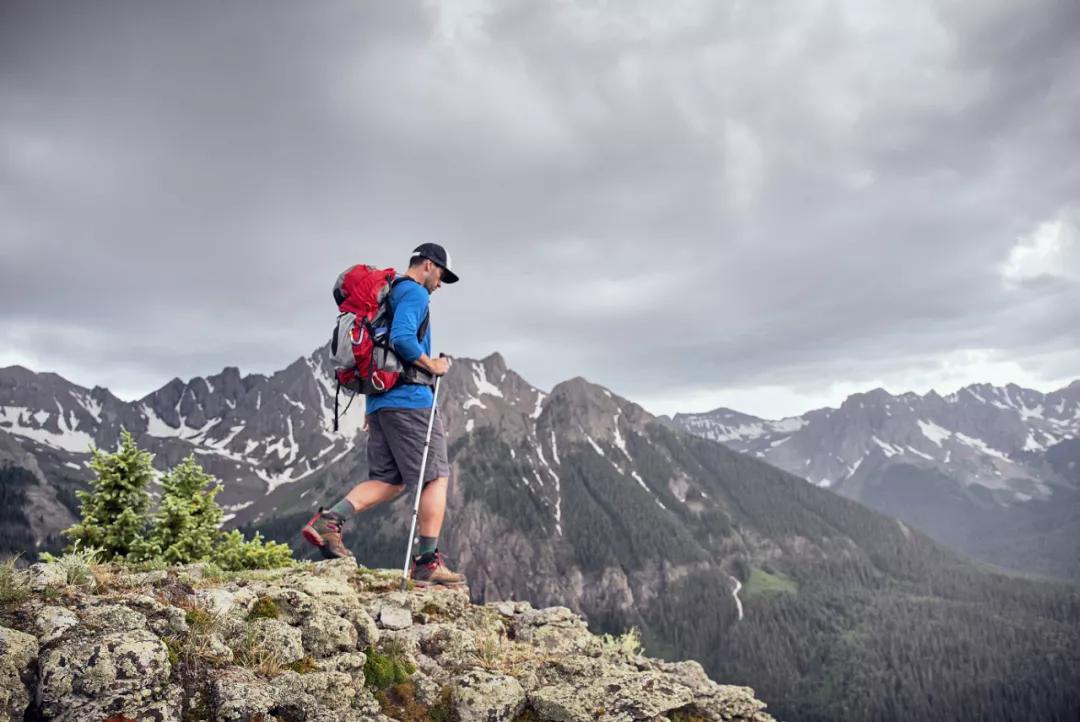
[[540, 396], [933, 432], [889, 449], [620, 442], [156, 426], [595, 446], [980, 445], [913, 450], [483, 386], [89, 403], [17, 420]]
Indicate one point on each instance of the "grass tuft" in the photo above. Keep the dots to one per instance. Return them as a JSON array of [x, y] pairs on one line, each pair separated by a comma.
[[14, 586], [77, 565], [628, 643], [264, 608], [489, 651], [387, 667], [304, 665]]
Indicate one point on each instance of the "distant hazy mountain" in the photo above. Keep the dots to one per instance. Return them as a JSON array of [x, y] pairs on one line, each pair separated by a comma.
[[991, 471], [579, 497]]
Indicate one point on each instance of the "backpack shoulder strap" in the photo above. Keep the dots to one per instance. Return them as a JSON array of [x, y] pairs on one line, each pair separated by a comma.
[[422, 330]]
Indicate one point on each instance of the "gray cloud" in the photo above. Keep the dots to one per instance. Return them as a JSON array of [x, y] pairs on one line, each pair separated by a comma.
[[671, 201]]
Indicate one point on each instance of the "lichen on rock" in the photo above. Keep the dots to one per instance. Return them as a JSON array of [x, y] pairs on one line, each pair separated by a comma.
[[328, 642]]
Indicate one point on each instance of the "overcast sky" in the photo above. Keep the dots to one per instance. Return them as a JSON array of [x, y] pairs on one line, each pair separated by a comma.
[[760, 205]]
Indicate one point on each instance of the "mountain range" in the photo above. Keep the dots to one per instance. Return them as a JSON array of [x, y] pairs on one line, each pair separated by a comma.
[[992, 471], [576, 496]]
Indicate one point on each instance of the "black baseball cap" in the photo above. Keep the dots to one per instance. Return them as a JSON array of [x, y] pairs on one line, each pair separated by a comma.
[[437, 255]]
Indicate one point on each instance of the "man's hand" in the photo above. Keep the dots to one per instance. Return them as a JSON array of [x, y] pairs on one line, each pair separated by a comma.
[[438, 366]]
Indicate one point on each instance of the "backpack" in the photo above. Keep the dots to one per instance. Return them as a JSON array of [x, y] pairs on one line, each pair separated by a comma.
[[360, 351]]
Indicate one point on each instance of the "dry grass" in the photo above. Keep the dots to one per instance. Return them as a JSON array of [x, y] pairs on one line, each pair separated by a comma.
[[197, 646], [490, 651], [106, 577], [248, 653], [14, 585]]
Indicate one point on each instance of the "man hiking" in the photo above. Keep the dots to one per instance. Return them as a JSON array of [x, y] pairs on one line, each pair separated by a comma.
[[397, 425]]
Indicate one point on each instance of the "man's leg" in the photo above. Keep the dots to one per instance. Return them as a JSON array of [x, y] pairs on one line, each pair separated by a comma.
[[433, 507], [368, 494], [428, 565], [325, 528]]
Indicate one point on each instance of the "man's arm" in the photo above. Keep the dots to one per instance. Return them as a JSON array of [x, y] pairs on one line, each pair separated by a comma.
[[436, 366], [409, 312]]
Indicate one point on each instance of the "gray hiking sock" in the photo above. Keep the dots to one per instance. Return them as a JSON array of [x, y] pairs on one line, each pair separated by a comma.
[[344, 508], [428, 544]]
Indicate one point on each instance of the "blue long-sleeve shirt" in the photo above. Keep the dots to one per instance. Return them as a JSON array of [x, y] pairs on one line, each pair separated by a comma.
[[409, 301]]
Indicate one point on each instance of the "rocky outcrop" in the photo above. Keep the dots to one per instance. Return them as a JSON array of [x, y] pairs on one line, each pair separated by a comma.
[[327, 642]]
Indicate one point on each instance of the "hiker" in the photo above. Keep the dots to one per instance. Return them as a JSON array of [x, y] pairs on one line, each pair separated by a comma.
[[397, 425]]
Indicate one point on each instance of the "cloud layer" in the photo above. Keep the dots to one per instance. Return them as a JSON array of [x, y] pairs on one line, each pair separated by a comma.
[[692, 203]]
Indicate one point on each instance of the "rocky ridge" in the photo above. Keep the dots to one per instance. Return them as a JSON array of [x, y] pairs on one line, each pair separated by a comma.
[[322, 641]]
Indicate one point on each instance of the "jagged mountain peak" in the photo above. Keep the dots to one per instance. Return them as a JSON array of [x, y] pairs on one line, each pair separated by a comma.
[[724, 415], [494, 362], [982, 432], [585, 410]]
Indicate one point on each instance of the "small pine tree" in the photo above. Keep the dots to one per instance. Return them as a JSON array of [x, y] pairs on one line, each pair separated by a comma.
[[117, 525], [114, 511], [187, 523], [235, 553]]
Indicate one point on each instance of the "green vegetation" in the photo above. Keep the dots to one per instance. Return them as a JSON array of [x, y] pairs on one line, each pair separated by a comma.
[[387, 667], [628, 643], [77, 564], [264, 608], [116, 524], [186, 525], [115, 512], [198, 619], [762, 582]]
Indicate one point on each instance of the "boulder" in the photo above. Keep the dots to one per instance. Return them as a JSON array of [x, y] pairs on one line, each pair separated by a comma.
[[18, 659], [395, 617], [278, 639], [324, 634], [52, 622], [481, 696], [125, 671]]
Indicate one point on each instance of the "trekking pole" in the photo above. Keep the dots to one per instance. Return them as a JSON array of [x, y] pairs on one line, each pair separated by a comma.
[[420, 485]]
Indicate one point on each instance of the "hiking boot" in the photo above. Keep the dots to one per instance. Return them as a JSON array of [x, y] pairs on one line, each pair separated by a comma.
[[430, 569], [324, 531]]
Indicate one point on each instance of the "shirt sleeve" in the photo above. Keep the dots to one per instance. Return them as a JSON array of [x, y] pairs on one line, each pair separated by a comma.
[[410, 307]]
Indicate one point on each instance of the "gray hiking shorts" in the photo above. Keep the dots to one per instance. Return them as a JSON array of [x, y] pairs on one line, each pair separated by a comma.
[[395, 446]]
